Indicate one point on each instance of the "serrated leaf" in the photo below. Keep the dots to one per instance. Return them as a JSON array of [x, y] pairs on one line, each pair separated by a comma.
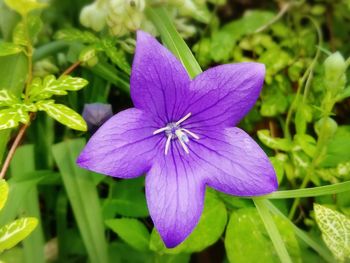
[[4, 191], [10, 118], [335, 229], [274, 143], [63, 114], [115, 55], [13, 233], [7, 48], [24, 6], [73, 34], [132, 231], [7, 98], [207, 232]]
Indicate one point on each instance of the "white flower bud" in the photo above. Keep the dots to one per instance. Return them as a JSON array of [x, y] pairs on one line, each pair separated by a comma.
[[93, 16]]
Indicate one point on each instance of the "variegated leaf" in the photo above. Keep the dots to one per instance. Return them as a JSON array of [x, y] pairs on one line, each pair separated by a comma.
[[335, 229], [63, 114], [7, 48], [7, 98], [72, 83], [44, 89], [9, 118], [4, 191], [13, 233]]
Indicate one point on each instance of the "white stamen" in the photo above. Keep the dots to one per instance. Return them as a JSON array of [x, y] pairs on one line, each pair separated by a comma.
[[167, 144], [183, 119], [183, 140], [173, 130], [184, 146], [160, 130], [190, 133]]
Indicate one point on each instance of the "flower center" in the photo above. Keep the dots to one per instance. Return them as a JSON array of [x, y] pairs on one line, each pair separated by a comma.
[[173, 131]]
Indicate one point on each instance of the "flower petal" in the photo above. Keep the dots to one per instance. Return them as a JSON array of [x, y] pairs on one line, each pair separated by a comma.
[[123, 147], [234, 162], [159, 83], [222, 95], [175, 195]]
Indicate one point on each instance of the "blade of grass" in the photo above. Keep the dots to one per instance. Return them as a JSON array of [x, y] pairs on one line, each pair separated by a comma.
[[22, 163], [173, 40], [309, 192], [83, 197], [320, 249], [272, 230]]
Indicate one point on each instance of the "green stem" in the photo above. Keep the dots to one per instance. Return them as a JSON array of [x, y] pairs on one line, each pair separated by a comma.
[[306, 77]]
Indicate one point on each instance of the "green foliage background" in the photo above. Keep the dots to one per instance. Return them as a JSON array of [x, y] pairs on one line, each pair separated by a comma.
[[301, 120]]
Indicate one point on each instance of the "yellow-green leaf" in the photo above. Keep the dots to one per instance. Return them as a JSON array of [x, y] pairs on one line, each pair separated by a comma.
[[49, 86], [24, 6], [335, 229], [13, 233], [63, 114], [274, 143], [7, 48], [7, 98], [4, 191], [9, 118]]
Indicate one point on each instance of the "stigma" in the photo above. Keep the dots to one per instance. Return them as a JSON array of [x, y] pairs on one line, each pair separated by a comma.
[[173, 131]]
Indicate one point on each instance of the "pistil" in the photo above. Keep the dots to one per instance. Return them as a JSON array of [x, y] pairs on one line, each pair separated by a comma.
[[174, 130]]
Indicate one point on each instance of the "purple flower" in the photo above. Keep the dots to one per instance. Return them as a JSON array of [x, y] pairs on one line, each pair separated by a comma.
[[95, 114], [181, 135]]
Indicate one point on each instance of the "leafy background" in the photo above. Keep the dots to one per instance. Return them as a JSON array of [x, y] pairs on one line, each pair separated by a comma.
[[301, 120]]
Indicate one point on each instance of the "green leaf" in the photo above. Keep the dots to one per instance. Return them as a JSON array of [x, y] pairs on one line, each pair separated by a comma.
[[20, 36], [83, 197], [116, 56], [223, 41], [310, 192], [27, 30], [173, 40], [132, 231], [22, 168], [207, 232], [4, 191], [128, 199], [71, 83], [303, 116], [10, 118], [7, 98], [275, 233], [12, 77], [63, 114], [306, 142], [335, 229], [73, 34], [24, 6], [13, 233], [7, 48], [319, 248], [274, 143], [247, 240], [49, 86]]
